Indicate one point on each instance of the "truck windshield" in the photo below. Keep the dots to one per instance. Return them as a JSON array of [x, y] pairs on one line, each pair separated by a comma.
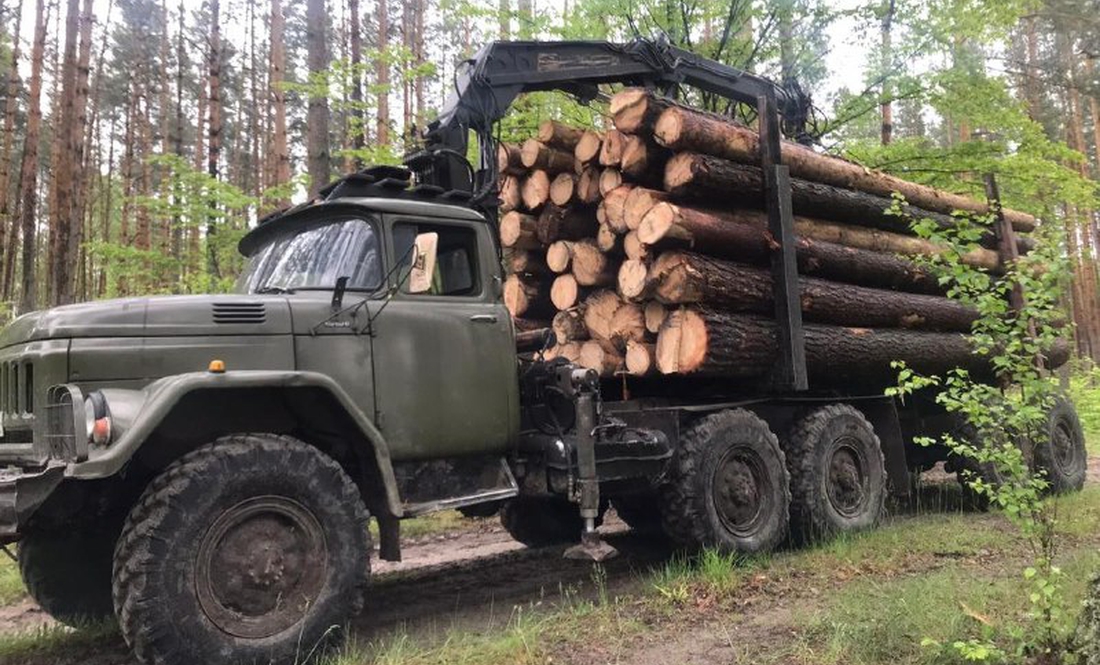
[[315, 257]]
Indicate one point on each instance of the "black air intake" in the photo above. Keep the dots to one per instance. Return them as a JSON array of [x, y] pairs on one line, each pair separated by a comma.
[[239, 312]]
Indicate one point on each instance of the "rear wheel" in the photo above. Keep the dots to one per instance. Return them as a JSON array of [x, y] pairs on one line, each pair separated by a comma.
[[838, 473], [69, 574], [252, 549], [542, 521], [1061, 455], [729, 488]]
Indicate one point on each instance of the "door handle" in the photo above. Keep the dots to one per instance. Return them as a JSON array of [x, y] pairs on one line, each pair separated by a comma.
[[484, 318]]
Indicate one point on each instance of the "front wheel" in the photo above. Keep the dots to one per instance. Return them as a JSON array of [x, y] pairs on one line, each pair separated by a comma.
[[69, 573], [1061, 454], [729, 488], [252, 549]]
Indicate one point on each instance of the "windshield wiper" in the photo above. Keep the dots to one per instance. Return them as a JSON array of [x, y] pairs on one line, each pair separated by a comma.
[[263, 290]]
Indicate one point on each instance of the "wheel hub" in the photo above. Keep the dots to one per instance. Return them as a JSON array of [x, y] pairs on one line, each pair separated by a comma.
[[846, 483], [261, 565], [740, 491]]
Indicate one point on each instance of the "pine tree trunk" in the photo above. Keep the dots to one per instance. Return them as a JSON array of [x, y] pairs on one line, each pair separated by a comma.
[[358, 122], [214, 133], [279, 173], [887, 105], [29, 167], [8, 228], [317, 119], [382, 75]]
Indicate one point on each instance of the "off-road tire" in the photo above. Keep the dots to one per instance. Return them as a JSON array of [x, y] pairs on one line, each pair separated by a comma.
[[838, 473], [542, 521], [69, 574], [172, 613], [968, 469], [641, 512], [689, 505], [1061, 454], [487, 509]]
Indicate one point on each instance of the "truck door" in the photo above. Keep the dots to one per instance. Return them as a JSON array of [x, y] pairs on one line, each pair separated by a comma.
[[445, 365]]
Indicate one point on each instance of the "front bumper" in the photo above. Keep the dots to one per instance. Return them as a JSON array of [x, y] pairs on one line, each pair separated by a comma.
[[21, 493]]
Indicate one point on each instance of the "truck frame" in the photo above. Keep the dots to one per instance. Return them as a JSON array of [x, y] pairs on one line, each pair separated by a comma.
[[203, 468]]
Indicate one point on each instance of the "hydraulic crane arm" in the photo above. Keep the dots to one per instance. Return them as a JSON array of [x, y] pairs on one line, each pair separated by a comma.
[[489, 82]]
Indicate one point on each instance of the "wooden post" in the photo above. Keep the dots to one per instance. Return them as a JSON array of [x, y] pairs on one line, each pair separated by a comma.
[[790, 368]]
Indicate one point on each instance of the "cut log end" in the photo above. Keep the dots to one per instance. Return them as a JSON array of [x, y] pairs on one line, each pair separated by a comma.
[[535, 191], [656, 224], [588, 147], [564, 292], [682, 343], [639, 358], [627, 108], [655, 314], [610, 178], [568, 326], [517, 231], [634, 248], [599, 308], [628, 324], [559, 255], [632, 279], [563, 188], [669, 126]]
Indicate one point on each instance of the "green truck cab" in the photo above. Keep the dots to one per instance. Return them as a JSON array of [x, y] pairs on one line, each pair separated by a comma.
[[203, 468]]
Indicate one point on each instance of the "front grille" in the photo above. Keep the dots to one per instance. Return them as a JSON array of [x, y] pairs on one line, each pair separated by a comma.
[[239, 312], [17, 387]]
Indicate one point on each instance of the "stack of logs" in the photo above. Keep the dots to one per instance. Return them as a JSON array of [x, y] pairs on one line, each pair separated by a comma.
[[646, 248]]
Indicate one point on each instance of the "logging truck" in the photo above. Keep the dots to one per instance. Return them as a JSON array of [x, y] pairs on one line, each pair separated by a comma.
[[203, 468]]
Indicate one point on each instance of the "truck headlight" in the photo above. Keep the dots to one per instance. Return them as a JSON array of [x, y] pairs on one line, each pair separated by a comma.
[[97, 418]]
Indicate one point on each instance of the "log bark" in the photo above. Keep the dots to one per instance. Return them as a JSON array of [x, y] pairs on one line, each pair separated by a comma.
[[704, 178], [682, 129], [588, 148], [610, 178], [591, 267], [599, 355], [639, 358], [588, 185], [708, 342], [509, 160], [537, 155], [642, 157], [744, 236], [510, 195], [522, 262], [563, 188], [559, 255], [569, 325], [599, 309], [519, 231], [679, 278], [565, 224], [558, 135], [635, 110], [565, 292], [527, 298], [535, 190], [611, 151]]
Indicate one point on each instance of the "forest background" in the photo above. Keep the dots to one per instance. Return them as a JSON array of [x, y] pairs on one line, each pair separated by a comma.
[[141, 138]]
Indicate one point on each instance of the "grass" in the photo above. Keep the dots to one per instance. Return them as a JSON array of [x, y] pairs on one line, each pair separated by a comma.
[[11, 585]]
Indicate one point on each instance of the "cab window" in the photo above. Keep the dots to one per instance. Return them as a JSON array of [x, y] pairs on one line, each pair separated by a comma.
[[456, 258]]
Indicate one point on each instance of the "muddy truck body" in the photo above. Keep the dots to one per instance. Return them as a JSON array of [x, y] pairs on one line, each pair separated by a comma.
[[204, 468]]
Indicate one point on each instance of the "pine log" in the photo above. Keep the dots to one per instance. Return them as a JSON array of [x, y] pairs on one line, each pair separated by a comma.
[[592, 267], [519, 231], [522, 262], [639, 358], [527, 325], [559, 255], [510, 197], [743, 235], [628, 324], [563, 188], [525, 297], [509, 161], [558, 135], [633, 280], [608, 241], [565, 292], [588, 185], [568, 325], [610, 178], [639, 201], [565, 224], [599, 355], [683, 129], [634, 248], [537, 155], [655, 314], [611, 152], [642, 157], [705, 341], [588, 148], [706, 179], [635, 110], [679, 278], [599, 309], [535, 190], [571, 351], [614, 205]]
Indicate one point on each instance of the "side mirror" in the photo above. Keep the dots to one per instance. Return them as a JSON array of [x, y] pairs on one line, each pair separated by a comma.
[[423, 265]]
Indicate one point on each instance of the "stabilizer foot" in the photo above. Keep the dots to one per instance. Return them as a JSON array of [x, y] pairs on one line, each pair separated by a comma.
[[591, 548]]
